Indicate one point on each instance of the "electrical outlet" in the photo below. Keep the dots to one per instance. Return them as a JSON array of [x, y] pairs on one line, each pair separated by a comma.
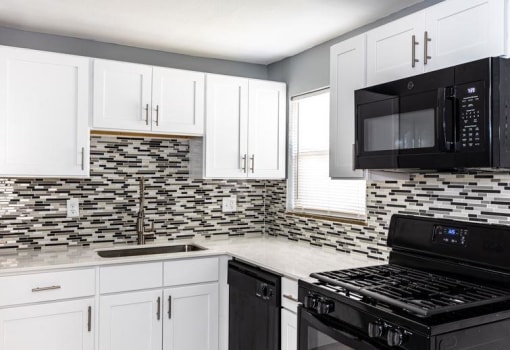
[[73, 208], [229, 205]]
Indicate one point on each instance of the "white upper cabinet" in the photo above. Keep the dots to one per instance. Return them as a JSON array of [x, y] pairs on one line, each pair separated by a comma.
[[122, 96], [449, 33], [226, 125], [460, 31], [347, 71], [391, 54], [177, 101], [140, 98], [245, 128], [266, 129], [44, 109]]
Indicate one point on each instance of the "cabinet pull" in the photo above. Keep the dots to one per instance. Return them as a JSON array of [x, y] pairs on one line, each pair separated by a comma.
[[426, 41], [353, 157], [414, 43], [42, 289], [290, 297], [83, 158], [147, 114], [252, 158], [158, 312], [89, 320], [244, 163], [157, 115], [169, 307]]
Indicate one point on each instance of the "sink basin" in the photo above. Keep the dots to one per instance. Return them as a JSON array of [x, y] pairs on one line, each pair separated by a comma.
[[117, 253]]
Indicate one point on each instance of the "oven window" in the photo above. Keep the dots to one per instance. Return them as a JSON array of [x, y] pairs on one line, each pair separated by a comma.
[[320, 341], [416, 129], [381, 133]]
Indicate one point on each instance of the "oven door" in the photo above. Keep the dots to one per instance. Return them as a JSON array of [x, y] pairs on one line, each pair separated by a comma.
[[316, 333]]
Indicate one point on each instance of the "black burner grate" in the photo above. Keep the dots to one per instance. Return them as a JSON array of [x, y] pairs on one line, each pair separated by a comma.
[[415, 291]]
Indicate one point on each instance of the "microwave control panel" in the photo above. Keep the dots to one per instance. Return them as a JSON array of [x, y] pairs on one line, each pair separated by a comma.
[[471, 115]]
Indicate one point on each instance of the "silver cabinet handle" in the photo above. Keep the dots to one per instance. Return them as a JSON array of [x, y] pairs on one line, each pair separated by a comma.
[[414, 43], [426, 41], [169, 307], [89, 320], [147, 114], [353, 157], [290, 297], [42, 289], [244, 163], [83, 158], [158, 312], [252, 158], [157, 115]]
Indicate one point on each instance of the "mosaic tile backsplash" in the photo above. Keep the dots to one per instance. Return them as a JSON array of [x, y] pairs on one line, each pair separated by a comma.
[[33, 211], [467, 197]]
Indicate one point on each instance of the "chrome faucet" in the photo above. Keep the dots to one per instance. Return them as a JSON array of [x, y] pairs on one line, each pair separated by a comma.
[[140, 218]]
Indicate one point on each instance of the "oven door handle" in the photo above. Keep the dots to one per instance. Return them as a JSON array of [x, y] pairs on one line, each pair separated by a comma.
[[345, 338]]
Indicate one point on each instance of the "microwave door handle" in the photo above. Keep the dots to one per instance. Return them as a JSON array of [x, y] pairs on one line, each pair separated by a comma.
[[449, 116]]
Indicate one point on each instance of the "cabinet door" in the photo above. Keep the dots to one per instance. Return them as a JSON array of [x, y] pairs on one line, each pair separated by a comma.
[[266, 129], [226, 154], [348, 64], [389, 49], [122, 96], [131, 321], [44, 106], [464, 30], [289, 330], [178, 101], [56, 326], [191, 317]]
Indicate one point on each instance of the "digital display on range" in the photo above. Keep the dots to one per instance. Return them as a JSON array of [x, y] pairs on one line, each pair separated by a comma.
[[450, 235], [471, 90]]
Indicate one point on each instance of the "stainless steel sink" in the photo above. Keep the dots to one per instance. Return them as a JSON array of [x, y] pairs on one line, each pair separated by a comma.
[[117, 253]]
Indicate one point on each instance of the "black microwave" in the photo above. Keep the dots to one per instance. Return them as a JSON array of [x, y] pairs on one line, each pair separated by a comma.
[[454, 118]]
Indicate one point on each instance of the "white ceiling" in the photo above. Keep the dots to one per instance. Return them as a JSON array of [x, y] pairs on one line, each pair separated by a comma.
[[255, 31]]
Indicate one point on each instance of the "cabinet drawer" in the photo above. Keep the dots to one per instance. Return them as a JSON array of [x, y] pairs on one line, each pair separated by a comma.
[[289, 294], [46, 286], [191, 271], [123, 278]]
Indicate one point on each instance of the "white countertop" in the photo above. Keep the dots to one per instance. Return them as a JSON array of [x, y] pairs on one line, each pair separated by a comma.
[[280, 255]]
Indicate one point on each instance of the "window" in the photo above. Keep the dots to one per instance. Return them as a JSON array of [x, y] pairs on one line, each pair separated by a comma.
[[310, 189]]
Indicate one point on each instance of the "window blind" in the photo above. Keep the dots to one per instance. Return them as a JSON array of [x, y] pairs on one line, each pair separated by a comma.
[[311, 190]]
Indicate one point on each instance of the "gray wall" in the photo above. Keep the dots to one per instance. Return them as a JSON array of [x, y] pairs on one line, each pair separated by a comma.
[[90, 48], [309, 70]]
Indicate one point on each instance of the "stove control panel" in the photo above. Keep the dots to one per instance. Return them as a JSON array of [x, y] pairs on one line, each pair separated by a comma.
[[450, 235], [393, 335], [319, 304]]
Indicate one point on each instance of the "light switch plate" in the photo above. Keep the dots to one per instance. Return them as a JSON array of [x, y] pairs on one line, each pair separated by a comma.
[[229, 204], [73, 208]]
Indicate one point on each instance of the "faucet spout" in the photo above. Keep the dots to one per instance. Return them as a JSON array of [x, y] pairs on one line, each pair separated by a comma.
[[140, 218]]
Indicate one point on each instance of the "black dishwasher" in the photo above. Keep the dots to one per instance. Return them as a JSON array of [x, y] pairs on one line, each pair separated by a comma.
[[254, 308]]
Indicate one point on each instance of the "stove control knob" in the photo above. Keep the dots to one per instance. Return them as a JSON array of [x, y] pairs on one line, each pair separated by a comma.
[[325, 307], [375, 330], [310, 301], [395, 337]]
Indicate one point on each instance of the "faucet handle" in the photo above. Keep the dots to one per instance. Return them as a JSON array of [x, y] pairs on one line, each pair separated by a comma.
[[151, 230]]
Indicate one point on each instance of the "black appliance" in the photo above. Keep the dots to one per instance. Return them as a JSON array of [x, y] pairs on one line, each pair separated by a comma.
[[254, 308], [446, 287], [453, 118]]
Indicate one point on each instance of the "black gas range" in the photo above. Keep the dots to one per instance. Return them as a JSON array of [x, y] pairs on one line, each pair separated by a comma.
[[446, 287]]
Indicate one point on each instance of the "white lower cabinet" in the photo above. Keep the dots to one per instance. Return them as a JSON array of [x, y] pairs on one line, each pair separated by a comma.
[[172, 305], [191, 317], [289, 330], [61, 325], [131, 321]]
